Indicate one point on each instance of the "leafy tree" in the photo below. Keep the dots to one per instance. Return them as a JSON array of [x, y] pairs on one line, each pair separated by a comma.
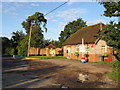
[[71, 28], [16, 38], [112, 8], [9, 51], [38, 22], [46, 42], [55, 43], [22, 46], [6, 43], [111, 34]]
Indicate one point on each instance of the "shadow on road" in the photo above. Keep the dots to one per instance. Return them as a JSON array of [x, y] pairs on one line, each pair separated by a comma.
[[22, 74]]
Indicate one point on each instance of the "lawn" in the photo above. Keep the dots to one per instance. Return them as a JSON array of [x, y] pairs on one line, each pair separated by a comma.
[[43, 57]]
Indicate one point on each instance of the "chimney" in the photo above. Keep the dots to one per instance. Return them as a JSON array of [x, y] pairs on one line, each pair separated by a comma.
[[100, 26]]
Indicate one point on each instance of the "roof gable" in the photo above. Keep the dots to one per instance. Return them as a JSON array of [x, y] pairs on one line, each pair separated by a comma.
[[50, 46]]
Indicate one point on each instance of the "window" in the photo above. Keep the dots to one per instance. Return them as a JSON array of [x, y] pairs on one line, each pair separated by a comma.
[[104, 49]]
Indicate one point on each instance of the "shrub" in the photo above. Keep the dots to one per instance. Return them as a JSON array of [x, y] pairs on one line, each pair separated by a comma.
[[9, 51], [115, 74], [76, 54]]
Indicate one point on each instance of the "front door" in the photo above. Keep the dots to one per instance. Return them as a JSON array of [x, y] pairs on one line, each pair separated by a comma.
[[68, 52]]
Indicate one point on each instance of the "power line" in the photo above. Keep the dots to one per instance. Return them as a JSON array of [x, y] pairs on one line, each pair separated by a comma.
[[56, 8]]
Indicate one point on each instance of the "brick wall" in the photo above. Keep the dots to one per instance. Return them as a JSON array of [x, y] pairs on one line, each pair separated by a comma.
[[94, 52]]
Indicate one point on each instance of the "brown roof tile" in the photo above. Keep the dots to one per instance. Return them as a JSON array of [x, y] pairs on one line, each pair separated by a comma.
[[88, 33], [50, 46]]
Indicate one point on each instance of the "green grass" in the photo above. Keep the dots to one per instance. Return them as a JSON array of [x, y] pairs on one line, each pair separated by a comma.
[[43, 57], [104, 62], [114, 76], [101, 62]]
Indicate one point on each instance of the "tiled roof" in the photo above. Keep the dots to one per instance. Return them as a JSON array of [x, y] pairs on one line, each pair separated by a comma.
[[88, 33]]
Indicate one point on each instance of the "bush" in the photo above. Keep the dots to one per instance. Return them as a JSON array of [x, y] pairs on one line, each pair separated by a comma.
[[9, 51], [76, 54], [115, 74]]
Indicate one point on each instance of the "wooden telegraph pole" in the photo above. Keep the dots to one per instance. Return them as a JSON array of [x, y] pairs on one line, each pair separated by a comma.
[[29, 39]]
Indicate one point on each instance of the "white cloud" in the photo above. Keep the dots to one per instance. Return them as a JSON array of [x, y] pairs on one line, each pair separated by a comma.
[[18, 4], [47, 18], [62, 25], [71, 13], [15, 0], [51, 16], [14, 14], [0, 5], [48, 0], [34, 4], [8, 10], [96, 21], [69, 3], [54, 20]]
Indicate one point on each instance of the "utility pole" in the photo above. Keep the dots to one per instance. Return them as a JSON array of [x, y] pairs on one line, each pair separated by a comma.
[[29, 39]]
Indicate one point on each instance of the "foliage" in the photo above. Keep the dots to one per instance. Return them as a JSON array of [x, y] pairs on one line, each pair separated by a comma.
[[16, 38], [38, 22], [115, 74], [112, 8], [105, 54], [71, 28], [9, 51], [23, 46], [76, 54], [111, 34], [54, 42], [36, 38], [37, 19], [46, 42], [6, 43]]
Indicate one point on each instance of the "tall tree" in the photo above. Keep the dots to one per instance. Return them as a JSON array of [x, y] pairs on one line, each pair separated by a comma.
[[71, 28], [112, 8], [16, 38], [38, 22], [111, 34], [7, 46]]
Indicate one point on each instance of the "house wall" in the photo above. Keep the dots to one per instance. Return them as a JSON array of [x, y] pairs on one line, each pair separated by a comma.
[[94, 52]]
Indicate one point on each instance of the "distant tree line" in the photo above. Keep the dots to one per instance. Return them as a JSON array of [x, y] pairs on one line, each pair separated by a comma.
[[18, 43]]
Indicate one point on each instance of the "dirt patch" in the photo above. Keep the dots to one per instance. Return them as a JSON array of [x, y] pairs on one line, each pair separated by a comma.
[[53, 74]]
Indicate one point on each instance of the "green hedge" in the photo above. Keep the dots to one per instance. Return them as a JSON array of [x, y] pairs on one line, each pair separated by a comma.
[[115, 74]]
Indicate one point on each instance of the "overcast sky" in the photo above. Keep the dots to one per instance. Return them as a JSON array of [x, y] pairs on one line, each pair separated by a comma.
[[14, 13]]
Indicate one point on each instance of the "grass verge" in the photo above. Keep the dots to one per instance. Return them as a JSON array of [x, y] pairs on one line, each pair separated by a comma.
[[43, 57], [115, 74]]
